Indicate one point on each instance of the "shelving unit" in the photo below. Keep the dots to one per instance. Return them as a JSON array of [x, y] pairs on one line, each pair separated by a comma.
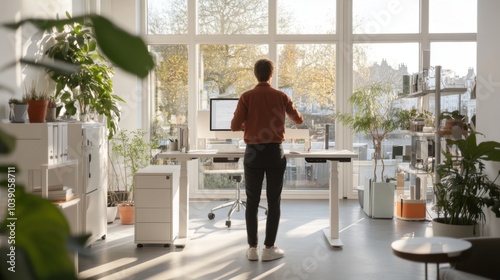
[[437, 92]]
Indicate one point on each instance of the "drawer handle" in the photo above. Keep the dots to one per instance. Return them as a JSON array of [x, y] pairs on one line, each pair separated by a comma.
[[168, 177]]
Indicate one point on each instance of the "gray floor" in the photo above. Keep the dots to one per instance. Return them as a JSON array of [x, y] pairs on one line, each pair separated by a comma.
[[218, 252]]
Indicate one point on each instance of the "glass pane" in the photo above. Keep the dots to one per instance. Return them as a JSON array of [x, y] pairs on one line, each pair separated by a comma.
[[306, 72], [385, 16], [168, 85], [167, 17], [385, 63], [228, 70], [453, 16], [306, 17], [457, 70], [232, 17]]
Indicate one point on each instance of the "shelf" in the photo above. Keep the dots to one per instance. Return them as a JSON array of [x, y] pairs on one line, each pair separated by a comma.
[[444, 92]]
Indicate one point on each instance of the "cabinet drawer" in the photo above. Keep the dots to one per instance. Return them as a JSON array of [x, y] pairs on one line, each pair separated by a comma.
[[160, 232], [153, 198], [153, 215], [153, 181]]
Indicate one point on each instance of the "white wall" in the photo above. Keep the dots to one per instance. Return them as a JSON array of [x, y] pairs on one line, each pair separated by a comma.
[[124, 13], [488, 85]]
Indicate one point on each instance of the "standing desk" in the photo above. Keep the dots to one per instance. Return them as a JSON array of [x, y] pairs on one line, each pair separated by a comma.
[[317, 156]]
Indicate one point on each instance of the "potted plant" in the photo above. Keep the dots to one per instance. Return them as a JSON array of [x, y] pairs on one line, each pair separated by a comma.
[[37, 101], [453, 119], [18, 110], [131, 151], [90, 90], [463, 191], [51, 110], [374, 116]]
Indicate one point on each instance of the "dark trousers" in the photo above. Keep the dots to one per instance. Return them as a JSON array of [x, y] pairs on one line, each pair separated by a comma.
[[260, 160]]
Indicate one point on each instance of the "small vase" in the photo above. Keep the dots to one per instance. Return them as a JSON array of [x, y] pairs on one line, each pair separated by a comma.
[[37, 110]]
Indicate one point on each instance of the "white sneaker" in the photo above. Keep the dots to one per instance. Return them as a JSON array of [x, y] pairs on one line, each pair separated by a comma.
[[252, 254], [272, 253]]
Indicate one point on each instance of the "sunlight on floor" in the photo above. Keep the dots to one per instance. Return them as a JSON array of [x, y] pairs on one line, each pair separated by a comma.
[[105, 267]]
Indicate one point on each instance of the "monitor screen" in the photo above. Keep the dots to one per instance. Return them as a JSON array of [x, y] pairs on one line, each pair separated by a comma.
[[221, 113]]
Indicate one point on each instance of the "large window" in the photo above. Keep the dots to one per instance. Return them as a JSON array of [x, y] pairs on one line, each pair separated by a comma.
[[323, 51]]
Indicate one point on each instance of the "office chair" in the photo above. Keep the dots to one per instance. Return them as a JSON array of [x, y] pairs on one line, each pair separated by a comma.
[[235, 204]]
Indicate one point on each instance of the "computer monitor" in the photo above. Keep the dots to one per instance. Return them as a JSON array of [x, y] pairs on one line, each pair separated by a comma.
[[221, 113]]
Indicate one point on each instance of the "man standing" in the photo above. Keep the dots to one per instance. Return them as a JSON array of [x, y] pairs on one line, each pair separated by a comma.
[[261, 114]]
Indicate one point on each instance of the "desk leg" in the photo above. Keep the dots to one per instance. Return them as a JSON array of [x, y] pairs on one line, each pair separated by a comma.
[[332, 233], [183, 206]]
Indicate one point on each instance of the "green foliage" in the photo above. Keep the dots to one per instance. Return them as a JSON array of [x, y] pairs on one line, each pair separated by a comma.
[[92, 86], [132, 152], [374, 116], [131, 55], [464, 189], [79, 63], [44, 241], [16, 101]]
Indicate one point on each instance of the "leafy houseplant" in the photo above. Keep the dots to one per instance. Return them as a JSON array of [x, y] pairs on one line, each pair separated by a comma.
[[464, 190], [130, 152], [374, 116], [91, 88]]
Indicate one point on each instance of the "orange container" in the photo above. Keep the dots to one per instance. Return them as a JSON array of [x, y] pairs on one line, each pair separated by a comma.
[[409, 209]]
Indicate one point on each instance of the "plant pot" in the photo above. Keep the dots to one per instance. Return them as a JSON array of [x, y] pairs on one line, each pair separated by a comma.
[[19, 113], [454, 231], [127, 215], [37, 110], [111, 213], [51, 115]]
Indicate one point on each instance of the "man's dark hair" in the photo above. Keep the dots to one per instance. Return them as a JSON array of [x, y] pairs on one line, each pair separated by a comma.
[[263, 69]]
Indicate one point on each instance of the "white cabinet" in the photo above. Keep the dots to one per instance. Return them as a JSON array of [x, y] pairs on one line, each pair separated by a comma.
[[87, 143], [156, 197]]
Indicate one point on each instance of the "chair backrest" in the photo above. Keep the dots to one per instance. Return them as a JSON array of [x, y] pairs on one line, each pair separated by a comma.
[[482, 259]]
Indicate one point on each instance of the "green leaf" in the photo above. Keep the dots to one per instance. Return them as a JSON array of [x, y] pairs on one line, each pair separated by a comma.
[[42, 232], [7, 143], [133, 58], [57, 66]]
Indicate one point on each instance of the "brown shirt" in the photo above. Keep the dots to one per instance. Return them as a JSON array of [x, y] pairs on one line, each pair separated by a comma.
[[261, 114]]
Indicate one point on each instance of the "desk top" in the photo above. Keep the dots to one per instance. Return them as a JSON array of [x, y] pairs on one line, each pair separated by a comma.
[[330, 154], [430, 249]]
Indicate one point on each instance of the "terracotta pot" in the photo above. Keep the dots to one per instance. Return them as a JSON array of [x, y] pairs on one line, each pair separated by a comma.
[[127, 214], [37, 110]]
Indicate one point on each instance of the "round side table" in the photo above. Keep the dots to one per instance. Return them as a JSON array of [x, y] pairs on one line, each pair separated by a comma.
[[430, 250]]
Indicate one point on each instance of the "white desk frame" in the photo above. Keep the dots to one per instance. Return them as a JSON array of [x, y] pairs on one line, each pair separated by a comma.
[[332, 155]]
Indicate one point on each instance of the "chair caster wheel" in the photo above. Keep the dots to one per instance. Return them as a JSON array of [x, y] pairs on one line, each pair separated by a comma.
[[139, 245], [211, 216], [228, 223]]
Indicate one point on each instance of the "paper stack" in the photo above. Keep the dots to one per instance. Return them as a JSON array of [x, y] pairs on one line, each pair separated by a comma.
[[57, 192]]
